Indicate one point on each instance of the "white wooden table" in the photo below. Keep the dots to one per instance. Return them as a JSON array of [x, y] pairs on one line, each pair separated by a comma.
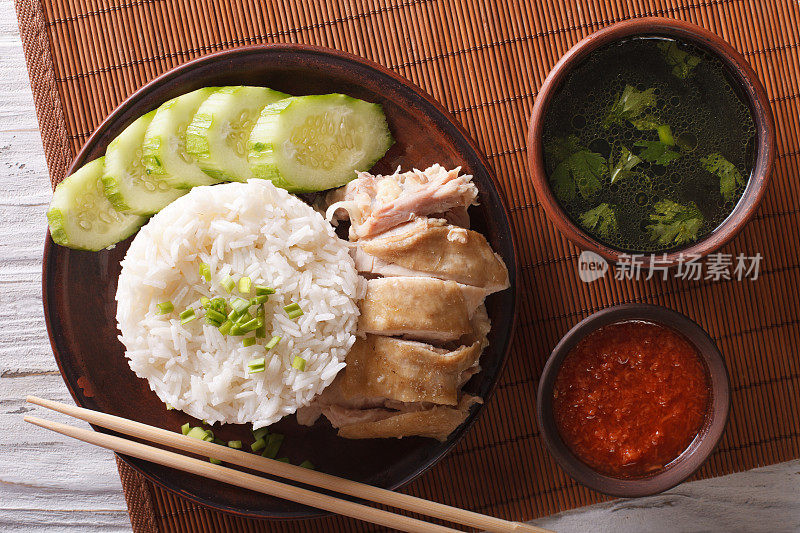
[[48, 483]]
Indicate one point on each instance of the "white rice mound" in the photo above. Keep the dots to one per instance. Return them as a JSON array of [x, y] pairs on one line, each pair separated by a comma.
[[239, 229]]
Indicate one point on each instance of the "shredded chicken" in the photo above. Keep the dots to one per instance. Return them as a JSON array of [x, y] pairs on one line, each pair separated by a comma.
[[375, 204]]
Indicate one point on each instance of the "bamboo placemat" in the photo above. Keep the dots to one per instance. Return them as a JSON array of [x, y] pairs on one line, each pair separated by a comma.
[[484, 61]]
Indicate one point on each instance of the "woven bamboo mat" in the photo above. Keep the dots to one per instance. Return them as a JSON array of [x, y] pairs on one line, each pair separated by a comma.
[[485, 62]]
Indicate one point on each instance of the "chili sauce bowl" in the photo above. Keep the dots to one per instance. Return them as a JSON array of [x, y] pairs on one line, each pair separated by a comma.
[[686, 462]]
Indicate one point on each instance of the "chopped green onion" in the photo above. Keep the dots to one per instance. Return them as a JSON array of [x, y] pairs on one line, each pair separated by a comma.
[[228, 283], [244, 285], [215, 316], [187, 316], [307, 464], [283, 459], [209, 434], [225, 327], [258, 445], [219, 441], [186, 428], [243, 318], [274, 442], [293, 310], [236, 330], [258, 300], [299, 363], [205, 271], [262, 290], [240, 305], [260, 433], [248, 341], [205, 301], [665, 135], [197, 433], [214, 461], [170, 408], [256, 365], [165, 307], [249, 326], [261, 332], [273, 342], [235, 444]]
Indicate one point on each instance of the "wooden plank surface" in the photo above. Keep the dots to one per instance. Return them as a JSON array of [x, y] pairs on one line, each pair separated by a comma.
[[48, 483]]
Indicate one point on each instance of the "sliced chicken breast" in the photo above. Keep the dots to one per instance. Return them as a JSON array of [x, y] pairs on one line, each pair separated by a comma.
[[375, 204], [416, 308], [406, 371], [431, 247], [437, 422]]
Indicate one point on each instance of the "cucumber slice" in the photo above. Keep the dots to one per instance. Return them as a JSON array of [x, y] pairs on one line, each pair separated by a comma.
[[313, 143], [164, 146], [80, 215], [128, 186], [217, 136]]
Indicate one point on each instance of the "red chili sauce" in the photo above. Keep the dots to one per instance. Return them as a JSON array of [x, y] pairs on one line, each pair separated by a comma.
[[630, 398]]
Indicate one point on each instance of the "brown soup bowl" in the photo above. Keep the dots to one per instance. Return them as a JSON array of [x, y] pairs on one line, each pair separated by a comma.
[[698, 450], [741, 73]]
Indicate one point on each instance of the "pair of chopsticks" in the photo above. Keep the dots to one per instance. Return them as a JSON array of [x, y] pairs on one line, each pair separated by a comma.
[[268, 466]]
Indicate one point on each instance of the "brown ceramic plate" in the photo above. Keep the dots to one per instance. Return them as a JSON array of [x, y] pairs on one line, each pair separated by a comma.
[[79, 287]]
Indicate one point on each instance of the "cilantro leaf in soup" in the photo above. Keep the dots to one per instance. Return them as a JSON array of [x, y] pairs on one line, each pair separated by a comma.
[[729, 175], [561, 148], [675, 224], [631, 104], [562, 183], [657, 152], [587, 169], [623, 163], [645, 123], [682, 62], [583, 170], [601, 219]]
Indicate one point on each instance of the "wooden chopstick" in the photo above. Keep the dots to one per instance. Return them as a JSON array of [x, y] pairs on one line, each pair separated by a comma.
[[277, 468], [243, 479]]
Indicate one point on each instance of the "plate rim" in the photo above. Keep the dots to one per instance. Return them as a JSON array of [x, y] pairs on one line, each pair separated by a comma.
[[346, 57]]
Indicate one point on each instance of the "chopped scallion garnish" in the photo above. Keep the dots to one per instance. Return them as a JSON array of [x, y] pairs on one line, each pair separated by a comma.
[[227, 283], [219, 441], [235, 444], [214, 461], [245, 284], [186, 428], [299, 363], [225, 327], [260, 433], [170, 408], [165, 307], [274, 441], [187, 316], [283, 459], [273, 342], [257, 365], [205, 271], [205, 301], [240, 305], [248, 341], [236, 330], [249, 326], [215, 316], [198, 433], [307, 464], [261, 332], [258, 300], [262, 290], [293, 310], [258, 445]]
